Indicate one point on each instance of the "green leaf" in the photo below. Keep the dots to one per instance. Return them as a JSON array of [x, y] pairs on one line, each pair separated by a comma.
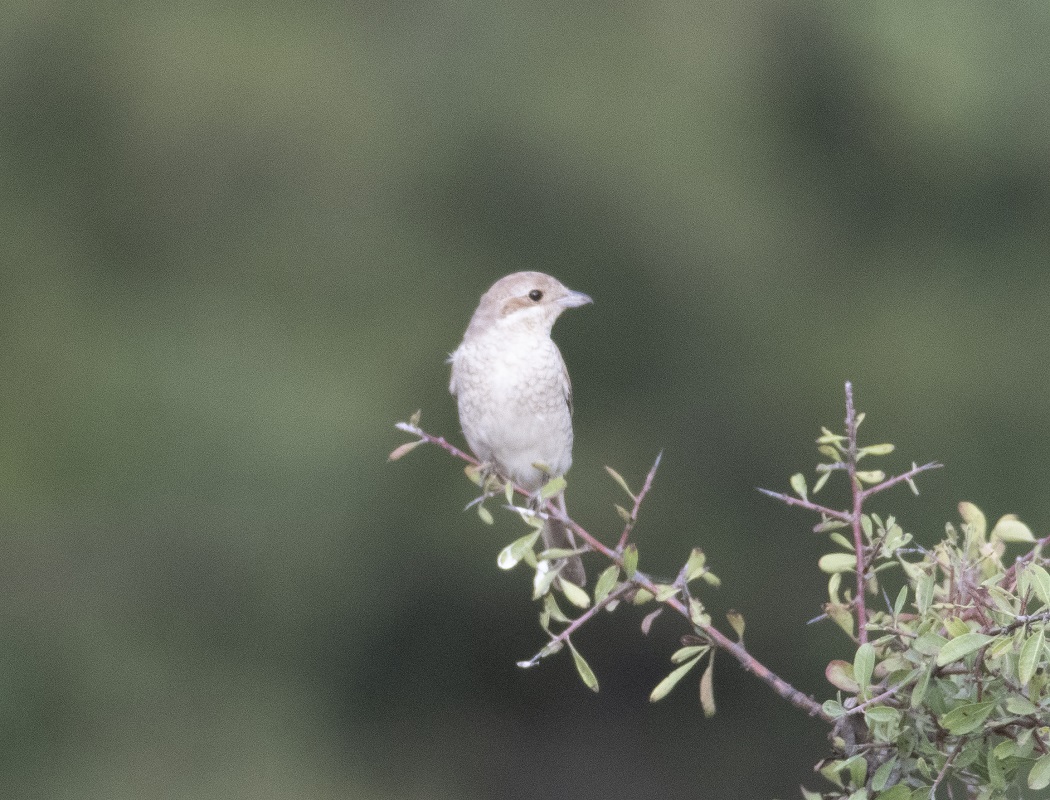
[[630, 560], [871, 476], [664, 591], [842, 616], [541, 582], [798, 483], [877, 449], [668, 683], [623, 513], [863, 665], [961, 646], [697, 615], [641, 597], [833, 708], [902, 598], [415, 418], [1039, 777], [918, 692], [606, 583], [1019, 704], [485, 514], [882, 775], [1040, 582], [967, 718], [858, 769], [683, 654], [929, 644], [553, 610], [1031, 652], [837, 562], [616, 476], [820, 482], [586, 673], [898, 791], [827, 437], [881, 714], [1011, 529], [840, 675], [553, 488], [404, 450], [707, 688], [736, 621], [842, 541], [924, 592], [1006, 748], [696, 564], [510, 555], [829, 524], [974, 517], [574, 594], [475, 473]]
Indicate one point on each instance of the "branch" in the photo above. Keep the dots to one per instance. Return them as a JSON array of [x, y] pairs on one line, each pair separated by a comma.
[[563, 637], [855, 518], [440, 441], [718, 639], [809, 505], [905, 476], [638, 502]]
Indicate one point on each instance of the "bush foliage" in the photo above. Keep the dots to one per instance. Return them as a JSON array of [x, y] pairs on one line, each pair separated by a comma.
[[948, 693]]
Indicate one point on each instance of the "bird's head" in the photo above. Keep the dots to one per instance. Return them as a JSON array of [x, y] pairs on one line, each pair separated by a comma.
[[525, 300]]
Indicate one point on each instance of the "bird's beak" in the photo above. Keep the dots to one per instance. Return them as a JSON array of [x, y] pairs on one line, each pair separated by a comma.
[[574, 299]]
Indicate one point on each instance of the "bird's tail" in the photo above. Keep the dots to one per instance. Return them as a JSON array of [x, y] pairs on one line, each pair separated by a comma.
[[555, 534]]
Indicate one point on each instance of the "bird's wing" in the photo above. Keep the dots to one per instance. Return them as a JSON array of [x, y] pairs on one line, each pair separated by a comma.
[[566, 385], [452, 379]]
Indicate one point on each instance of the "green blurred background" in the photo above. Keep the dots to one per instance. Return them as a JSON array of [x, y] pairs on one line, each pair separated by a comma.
[[240, 240]]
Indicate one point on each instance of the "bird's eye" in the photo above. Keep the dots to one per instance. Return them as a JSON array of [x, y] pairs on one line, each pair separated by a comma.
[[536, 295]]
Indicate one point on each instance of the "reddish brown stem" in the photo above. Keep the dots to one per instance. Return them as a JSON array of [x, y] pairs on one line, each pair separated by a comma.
[[718, 639], [857, 492], [638, 502]]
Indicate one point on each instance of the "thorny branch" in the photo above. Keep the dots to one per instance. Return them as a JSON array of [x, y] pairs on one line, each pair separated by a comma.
[[858, 495], [642, 581]]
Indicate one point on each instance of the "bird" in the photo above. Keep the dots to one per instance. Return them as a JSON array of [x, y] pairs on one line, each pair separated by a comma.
[[513, 392]]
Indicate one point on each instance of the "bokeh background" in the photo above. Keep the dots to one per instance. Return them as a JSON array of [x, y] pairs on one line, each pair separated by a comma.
[[239, 241]]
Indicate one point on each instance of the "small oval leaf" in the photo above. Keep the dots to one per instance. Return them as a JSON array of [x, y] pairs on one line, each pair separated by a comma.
[[403, 450], [837, 562], [863, 665], [668, 683], [1010, 529], [586, 673], [1039, 776], [961, 646]]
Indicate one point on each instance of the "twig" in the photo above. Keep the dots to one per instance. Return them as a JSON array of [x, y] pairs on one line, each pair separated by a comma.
[[440, 441], [638, 502], [944, 769], [718, 639], [904, 476], [563, 637], [809, 505], [877, 699], [748, 662], [857, 492]]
